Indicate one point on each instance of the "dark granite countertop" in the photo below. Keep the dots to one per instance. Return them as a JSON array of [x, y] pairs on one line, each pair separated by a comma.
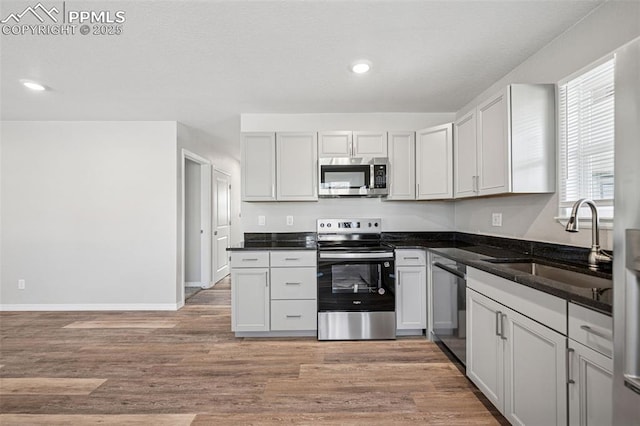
[[473, 250]]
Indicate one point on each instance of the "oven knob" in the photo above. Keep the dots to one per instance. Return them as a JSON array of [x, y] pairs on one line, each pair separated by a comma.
[[328, 225], [369, 224], [375, 224], [322, 225]]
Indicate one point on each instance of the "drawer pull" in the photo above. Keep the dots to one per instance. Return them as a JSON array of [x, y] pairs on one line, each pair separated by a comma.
[[294, 316], [253, 259], [595, 332], [292, 283], [498, 323], [291, 258], [570, 379], [411, 258]]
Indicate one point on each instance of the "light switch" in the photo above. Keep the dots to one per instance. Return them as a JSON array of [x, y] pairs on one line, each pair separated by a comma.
[[261, 220], [289, 220], [496, 219]]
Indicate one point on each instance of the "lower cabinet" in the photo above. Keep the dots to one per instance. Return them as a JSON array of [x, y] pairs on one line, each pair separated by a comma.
[[411, 290], [590, 386], [518, 363], [250, 296], [273, 291]]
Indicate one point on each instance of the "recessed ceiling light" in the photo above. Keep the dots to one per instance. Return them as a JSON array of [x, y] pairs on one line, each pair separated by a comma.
[[33, 85], [361, 67]]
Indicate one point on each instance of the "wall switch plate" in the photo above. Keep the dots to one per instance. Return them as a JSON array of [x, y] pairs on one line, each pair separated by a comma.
[[21, 284], [289, 220], [262, 221], [496, 219]]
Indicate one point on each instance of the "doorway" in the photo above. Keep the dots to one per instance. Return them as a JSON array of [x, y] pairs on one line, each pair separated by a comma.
[[196, 224], [221, 223]]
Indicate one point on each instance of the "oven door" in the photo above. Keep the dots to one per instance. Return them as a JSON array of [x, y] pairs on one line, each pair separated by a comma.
[[356, 282], [345, 179]]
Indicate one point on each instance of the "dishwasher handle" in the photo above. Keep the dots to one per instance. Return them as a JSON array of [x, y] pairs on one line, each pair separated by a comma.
[[450, 270]]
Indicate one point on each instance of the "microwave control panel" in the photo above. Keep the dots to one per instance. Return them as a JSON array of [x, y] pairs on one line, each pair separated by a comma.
[[380, 176]]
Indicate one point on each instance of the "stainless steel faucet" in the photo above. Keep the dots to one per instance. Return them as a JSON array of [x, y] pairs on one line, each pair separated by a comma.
[[596, 255]]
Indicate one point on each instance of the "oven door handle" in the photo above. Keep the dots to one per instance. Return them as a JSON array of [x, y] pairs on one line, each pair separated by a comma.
[[369, 256], [449, 270]]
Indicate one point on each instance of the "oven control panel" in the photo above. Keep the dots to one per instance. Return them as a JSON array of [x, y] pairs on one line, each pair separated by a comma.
[[346, 226]]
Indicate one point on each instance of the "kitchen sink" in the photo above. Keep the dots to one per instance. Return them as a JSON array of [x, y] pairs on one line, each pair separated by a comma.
[[598, 285]]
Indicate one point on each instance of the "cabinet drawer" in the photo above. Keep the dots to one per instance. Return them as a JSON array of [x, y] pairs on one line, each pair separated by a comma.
[[591, 328], [411, 257], [250, 259], [542, 307], [293, 283], [294, 315], [293, 258]]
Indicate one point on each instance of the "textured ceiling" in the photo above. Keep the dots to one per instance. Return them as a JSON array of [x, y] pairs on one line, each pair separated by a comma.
[[204, 63]]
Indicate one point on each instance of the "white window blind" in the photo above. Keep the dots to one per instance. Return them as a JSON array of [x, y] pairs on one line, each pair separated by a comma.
[[587, 139]]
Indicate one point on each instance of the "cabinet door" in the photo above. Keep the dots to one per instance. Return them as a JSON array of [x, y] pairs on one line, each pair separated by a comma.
[[402, 160], [494, 154], [297, 171], [590, 400], [535, 372], [434, 163], [334, 144], [464, 155], [411, 297], [369, 144], [258, 167], [250, 299], [484, 346]]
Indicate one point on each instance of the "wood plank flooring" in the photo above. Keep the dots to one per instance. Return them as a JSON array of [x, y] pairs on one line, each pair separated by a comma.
[[186, 367]]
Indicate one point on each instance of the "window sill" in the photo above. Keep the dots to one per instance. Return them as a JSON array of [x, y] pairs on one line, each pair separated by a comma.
[[585, 222]]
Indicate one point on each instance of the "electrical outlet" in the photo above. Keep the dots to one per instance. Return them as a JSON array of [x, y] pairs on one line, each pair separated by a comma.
[[289, 220], [21, 284], [496, 219], [262, 221]]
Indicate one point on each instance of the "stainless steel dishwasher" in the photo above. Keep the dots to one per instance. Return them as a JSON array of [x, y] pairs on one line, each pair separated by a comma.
[[449, 280]]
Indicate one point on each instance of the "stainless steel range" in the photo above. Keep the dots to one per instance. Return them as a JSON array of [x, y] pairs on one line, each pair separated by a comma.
[[356, 282]]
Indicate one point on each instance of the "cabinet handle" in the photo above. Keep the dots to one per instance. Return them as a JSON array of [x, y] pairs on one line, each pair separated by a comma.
[[291, 258], [294, 316], [502, 317], [253, 259], [292, 283], [411, 258], [498, 323], [595, 332], [570, 352]]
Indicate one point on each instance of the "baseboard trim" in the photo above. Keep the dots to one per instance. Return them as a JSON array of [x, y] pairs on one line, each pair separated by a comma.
[[193, 284], [93, 307]]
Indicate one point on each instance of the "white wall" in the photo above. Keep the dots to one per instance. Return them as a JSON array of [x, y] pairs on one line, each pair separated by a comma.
[[88, 215], [192, 225], [532, 216], [396, 215]]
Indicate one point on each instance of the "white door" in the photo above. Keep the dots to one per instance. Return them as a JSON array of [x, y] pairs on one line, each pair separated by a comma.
[[335, 144], [250, 299], [535, 372], [411, 297], [464, 155], [494, 156], [402, 166], [221, 224], [297, 171], [258, 167], [369, 144], [434, 163]]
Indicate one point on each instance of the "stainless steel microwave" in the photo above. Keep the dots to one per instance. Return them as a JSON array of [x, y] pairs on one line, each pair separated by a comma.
[[349, 176]]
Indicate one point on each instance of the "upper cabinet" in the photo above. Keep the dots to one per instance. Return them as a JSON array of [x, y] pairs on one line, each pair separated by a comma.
[[258, 167], [352, 144], [434, 163], [296, 159], [402, 173], [280, 166], [507, 143]]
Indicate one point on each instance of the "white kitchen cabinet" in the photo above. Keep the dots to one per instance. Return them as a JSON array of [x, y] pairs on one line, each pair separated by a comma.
[[507, 143], [369, 144], [590, 347], [590, 386], [411, 290], [335, 144], [517, 361], [258, 166], [434, 163], [297, 165], [250, 291], [352, 144], [402, 166], [464, 155]]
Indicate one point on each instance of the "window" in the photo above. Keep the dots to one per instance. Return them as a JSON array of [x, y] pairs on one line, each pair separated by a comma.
[[586, 125]]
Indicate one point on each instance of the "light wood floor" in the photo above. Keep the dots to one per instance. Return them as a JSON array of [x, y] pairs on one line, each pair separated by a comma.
[[186, 367]]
